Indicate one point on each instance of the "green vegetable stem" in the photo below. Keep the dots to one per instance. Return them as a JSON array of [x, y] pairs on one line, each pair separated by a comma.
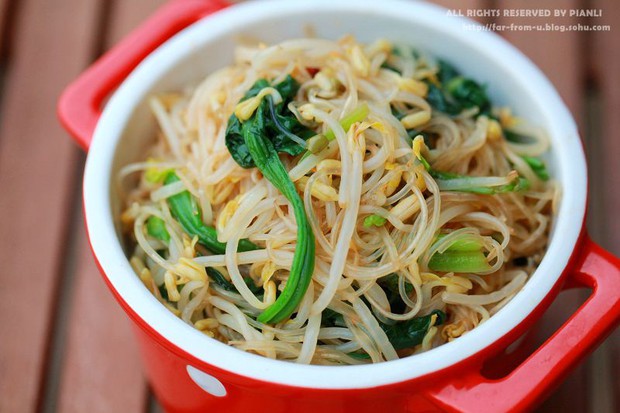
[[185, 210], [477, 184], [256, 142], [463, 262], [484, 185], [463, 255], [538, 166], [318, 142], [156, 228]]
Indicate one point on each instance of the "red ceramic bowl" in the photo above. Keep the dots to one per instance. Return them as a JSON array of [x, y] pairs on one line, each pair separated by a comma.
[[186, 40]]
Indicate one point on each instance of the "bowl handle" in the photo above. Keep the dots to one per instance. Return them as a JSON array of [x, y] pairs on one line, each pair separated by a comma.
[[80, 105], [537, 376]]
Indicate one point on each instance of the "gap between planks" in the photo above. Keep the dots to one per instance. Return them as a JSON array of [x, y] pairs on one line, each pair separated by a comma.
[[36, 176], [8, 16], [48, 401], [605, 147], [109, 349]]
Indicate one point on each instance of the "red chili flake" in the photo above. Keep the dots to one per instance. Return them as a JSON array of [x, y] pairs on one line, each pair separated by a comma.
[[313, 70]]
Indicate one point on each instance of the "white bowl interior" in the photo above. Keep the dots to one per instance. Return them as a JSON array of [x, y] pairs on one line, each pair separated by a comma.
[[127, 127]]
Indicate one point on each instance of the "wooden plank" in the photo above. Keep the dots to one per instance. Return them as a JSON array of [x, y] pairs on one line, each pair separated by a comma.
[[462, 5], [600, 368], [127, 14], [37, 175], [607, 67], [605, 147], [465, 6], [557, 54], [101, 369], [100, 345], [5, 13]]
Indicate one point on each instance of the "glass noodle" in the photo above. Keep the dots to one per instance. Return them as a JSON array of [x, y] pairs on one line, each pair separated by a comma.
[[429, 207]]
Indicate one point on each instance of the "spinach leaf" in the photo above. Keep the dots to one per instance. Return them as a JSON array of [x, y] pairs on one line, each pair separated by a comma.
[[279, 124], [407, 334], [410, 333], [446, 72], [219, 279], [236, 145], [389, 284], [468, 93], [402, 335], [515, 137], [437, 98], [285, 130], [331, 318], [456, 93]]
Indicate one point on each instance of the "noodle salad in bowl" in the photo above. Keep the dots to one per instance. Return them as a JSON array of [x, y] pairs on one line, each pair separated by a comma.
[[331, 202]]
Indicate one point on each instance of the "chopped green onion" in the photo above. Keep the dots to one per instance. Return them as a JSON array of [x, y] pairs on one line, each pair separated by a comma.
[[156, 228], [464, 262], [538, 166], [465, 243], [155, 175], [374, 220], [317, 143], [464, 254], [356, 115]]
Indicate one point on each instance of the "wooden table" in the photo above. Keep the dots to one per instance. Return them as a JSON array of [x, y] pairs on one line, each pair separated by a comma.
[[64, 343]]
